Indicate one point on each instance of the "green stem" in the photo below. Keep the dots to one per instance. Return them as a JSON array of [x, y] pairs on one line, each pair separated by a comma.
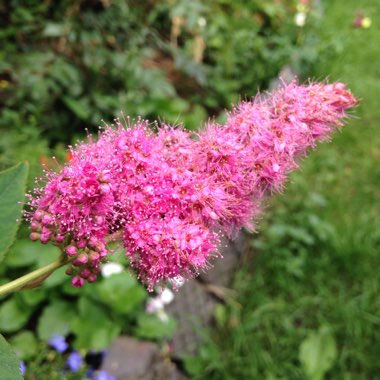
[[33, 276], [47, 270]]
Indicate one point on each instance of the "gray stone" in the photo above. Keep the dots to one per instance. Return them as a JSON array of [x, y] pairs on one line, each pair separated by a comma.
[[221, 272], [193, 309], [131, 359]]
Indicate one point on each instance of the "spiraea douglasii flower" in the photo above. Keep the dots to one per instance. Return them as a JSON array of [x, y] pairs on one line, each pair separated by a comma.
[[170, 196]]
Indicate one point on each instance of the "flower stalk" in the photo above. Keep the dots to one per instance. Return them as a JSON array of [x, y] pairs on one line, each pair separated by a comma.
[[34, 278]]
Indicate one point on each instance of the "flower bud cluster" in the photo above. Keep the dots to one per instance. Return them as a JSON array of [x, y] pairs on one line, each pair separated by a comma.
[[173, 194]]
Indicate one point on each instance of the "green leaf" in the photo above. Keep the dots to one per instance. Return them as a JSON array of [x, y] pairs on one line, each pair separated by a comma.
[[196, 116], [221, 315], [57, 278], [194, 365], [9, 364], [13, 315], [318, 353], [24, 344], [151, 327], [80, 107], [12, 189], [93, 327], [55, 320], [45, 255], [32, 297], [67, 288], [122, 292], [22, 253]]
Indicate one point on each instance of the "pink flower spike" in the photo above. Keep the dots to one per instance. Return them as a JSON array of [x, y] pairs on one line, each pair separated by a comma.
[[171, 196]]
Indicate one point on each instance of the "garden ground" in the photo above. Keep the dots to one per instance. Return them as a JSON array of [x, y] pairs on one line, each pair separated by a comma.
[[308, 303]]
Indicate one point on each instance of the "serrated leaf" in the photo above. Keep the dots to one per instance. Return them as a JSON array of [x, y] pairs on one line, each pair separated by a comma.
[[24, 344], [12, 189], [56, 319], [318, 353], [13, 315], [9, 363]]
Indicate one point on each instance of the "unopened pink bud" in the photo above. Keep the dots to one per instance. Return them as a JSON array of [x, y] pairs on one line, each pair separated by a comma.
[[85, 273], [34, 236], [59, 238], [39, 214], [83, 258], [45, 238], [47, 220], [77, 282], [81, 244], [94, 256], [103, 253], [76, 263], [92, 278], [93, 242], [71, 250], [35, 226]]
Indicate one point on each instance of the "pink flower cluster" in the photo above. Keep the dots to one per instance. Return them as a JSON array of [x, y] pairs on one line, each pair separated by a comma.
[[172, 195]]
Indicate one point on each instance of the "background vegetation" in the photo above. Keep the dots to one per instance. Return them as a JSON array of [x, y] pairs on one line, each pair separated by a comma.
[[307, 300]]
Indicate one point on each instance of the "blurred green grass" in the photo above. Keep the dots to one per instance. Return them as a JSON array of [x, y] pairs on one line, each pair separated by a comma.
[[315, 261]]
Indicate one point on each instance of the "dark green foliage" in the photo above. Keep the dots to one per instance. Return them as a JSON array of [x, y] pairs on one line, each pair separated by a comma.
[[312, 280], [10, 366], [12, 188], [68, 64]]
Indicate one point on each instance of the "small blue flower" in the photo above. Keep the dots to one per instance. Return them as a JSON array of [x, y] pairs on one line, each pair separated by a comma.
[[58, 343], [103, 375], [22, 368], [74, 361]]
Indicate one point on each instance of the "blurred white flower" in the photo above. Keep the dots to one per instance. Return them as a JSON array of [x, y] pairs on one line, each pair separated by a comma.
[[366, 22], [154, 305], [166, 296], [162, 316], [202, 22], [300, 19], [109, 269], [178, 281]]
